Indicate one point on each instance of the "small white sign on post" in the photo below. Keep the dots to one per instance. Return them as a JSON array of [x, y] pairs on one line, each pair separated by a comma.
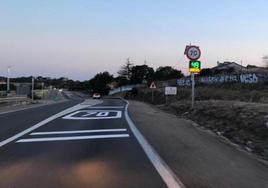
[[170, 90]]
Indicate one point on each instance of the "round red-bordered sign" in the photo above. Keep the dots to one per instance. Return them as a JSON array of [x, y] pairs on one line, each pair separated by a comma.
[[193, 52]]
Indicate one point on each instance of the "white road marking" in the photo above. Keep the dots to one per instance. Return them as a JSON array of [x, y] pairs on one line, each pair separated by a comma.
[[62, 113], [118, 114], [73, 138], [162, 168], [80, 131], [100, 107]]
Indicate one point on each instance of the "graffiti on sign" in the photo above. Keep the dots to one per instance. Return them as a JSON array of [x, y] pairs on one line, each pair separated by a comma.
[[249, 78]]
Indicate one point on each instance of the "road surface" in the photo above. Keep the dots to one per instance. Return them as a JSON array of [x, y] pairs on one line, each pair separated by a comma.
[[85, 146]]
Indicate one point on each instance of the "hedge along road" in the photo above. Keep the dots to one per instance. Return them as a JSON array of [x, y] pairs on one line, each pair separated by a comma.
[[85, 146]]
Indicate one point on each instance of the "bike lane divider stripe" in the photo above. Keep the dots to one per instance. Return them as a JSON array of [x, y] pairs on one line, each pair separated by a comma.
[[51, 118], [160, 165]]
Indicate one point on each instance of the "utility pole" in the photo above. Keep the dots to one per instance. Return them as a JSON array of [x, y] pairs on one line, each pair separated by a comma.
[[32, 88], [42, 90], [8, 79]]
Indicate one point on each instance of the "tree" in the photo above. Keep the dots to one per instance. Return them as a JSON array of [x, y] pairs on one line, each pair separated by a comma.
[[125, 70], [121, 81], [140, 73], [167, 73], [206, 72], [99, 83]]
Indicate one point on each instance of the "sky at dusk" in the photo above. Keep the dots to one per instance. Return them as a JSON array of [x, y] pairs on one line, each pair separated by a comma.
[[79, 38]]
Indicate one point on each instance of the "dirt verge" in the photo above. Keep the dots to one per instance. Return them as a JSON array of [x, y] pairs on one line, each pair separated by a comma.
[[242, 122]]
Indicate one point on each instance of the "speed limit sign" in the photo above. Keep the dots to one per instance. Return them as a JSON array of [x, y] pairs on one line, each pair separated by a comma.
[[193, 52]]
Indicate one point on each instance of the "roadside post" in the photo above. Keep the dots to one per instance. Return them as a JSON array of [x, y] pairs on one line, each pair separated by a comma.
[[43, 95], [8, 79], [193, 53], [170, 91], [32, 88], [152, 87]]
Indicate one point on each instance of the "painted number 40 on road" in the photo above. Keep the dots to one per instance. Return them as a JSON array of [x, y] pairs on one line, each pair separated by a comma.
[[94, 114]]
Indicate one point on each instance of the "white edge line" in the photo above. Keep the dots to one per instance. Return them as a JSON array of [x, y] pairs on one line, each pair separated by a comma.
[[73, 138], [51, 118], [162, 168], [80, 131]]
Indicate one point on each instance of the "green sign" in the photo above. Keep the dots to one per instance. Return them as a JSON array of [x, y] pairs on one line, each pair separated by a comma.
[[195, 66]]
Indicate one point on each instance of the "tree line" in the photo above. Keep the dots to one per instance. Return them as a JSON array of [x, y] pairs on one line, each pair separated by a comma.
[[127, 74], [131, 74]]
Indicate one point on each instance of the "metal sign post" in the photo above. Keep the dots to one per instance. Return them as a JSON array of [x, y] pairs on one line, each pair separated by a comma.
[[152, 95], [193, 53], [8, 79], [32, 88], [192, 76], [152, 87]]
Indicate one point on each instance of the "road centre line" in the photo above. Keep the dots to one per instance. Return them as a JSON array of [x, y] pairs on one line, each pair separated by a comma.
[[73, 138], [51, 118], [80, 131], [162, 168]]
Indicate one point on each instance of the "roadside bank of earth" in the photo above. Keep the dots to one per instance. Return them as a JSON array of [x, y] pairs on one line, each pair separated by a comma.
[[244, 123]]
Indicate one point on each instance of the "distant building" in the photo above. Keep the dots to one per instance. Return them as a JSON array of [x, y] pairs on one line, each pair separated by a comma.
[[228, 67], [255, 69]]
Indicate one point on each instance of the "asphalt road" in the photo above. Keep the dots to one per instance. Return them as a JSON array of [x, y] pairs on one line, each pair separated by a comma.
[[92, 146]]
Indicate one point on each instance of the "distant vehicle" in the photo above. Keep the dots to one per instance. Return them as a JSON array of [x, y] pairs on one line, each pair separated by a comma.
[[96, 96]]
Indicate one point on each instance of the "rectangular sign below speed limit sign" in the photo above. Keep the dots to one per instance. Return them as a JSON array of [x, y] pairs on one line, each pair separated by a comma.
[[195, 66]]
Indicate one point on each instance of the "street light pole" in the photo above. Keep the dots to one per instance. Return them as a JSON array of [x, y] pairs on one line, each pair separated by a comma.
[[8, 79], [32, 88]]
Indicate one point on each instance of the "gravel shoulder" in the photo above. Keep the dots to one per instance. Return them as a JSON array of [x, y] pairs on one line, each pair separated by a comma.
[[198, 159]]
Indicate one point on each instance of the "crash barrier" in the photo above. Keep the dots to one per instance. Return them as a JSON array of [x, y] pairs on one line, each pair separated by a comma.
[[13, 100]]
